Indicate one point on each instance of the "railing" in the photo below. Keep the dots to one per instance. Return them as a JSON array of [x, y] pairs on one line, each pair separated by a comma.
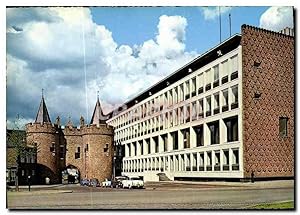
[[234, 75], [217, 110], [207, 87], [225, 167], [208, 113], [216, 83], [234, 105], [200, 90], [235, 167], [217, 168], [224, 79], [225, 108]]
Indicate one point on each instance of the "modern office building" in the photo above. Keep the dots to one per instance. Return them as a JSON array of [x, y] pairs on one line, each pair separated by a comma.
[[227, 114]]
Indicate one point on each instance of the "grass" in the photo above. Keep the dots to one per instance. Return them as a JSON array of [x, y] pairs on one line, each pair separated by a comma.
[[280, 205]]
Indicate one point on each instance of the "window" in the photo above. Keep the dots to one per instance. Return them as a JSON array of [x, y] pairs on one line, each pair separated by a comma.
[[235, 159], [23, 172], [235, 98], [225, 160], [193, 87], [33, 172], [232, 129], [225, 100], [148, 146], [216, 76], [214, 132], [224, 72], [106, 148], [13, 175], [186, 138], [216, 103], [209, 162], [200, 83], [187, 92], [283, 126], [155, 139], [208, 106], [175, 140], [165, 141], [199, 135], [77, 154]]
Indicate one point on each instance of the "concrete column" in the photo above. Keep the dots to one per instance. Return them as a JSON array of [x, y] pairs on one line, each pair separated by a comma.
[[180, 139], [138, 148], [205, 160], [230, 159], [223, 132]]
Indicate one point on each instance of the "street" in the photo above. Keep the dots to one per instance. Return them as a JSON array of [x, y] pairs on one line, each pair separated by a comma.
[[175, 196]]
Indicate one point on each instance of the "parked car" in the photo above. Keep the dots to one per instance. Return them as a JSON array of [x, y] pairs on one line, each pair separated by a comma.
[[117, 183], [133, 182], [106, 183], [94, 182], [85, 182]]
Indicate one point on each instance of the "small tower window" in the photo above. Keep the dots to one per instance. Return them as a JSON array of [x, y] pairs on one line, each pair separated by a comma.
[[106, 147], [77, 154], [283, 126]]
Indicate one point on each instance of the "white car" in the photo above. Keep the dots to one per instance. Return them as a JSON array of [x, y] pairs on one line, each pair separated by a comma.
[[133, 182], [106, 183]]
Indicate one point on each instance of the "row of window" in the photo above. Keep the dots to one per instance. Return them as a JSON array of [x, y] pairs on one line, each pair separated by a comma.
[[170, 141], [196, 85], [196, 161], [203, 107]]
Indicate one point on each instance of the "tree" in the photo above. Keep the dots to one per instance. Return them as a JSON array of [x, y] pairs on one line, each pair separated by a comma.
[[17, 140]]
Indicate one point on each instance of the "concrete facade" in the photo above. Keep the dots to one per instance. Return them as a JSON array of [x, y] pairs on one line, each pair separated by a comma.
[[203, 121]]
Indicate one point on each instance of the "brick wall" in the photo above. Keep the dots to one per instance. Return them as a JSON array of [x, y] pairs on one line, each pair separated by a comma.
[[265, 152]]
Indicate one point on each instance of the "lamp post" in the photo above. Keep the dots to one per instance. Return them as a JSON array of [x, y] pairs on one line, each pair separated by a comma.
[[29, 182]]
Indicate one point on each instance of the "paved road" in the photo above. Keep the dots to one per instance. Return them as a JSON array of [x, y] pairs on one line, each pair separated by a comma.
[[148, 198]]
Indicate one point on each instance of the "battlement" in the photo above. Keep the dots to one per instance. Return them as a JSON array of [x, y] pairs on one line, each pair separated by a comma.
[[46, 127], [103, 129], [71, 130]]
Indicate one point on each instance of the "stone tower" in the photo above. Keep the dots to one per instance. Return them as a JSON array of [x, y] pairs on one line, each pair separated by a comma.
[[44, 135], [87, 148]]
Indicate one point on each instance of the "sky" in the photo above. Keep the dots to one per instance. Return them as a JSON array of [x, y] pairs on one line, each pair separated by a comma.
[[116, 52]]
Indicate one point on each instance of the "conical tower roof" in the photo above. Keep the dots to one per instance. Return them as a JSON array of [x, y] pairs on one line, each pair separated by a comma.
[[42, 114], [98, 116]]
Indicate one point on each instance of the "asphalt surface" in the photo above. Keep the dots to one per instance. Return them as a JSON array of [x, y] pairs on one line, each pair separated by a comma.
[[155, 196]]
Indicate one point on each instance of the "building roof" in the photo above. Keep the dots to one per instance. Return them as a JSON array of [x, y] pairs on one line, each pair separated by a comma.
[[98, 116], [225, 47], [42, 114]]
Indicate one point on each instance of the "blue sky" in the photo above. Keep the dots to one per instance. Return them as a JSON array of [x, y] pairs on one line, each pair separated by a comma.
[[133, 25], [119, 51]]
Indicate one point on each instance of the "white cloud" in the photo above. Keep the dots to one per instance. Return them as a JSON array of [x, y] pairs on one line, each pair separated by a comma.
[[277, 18], [48, 53], [211, 13]]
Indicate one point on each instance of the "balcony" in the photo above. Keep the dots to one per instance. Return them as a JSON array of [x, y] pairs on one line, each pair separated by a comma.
[[207, 87], [216, 83], [234, 105], [224, 79], [200, 90], [208, 168], [225, 108], [208, 113], [188, 168], [217, 110], [194, 168], [234, 75], [235, 167], [225, 167]]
